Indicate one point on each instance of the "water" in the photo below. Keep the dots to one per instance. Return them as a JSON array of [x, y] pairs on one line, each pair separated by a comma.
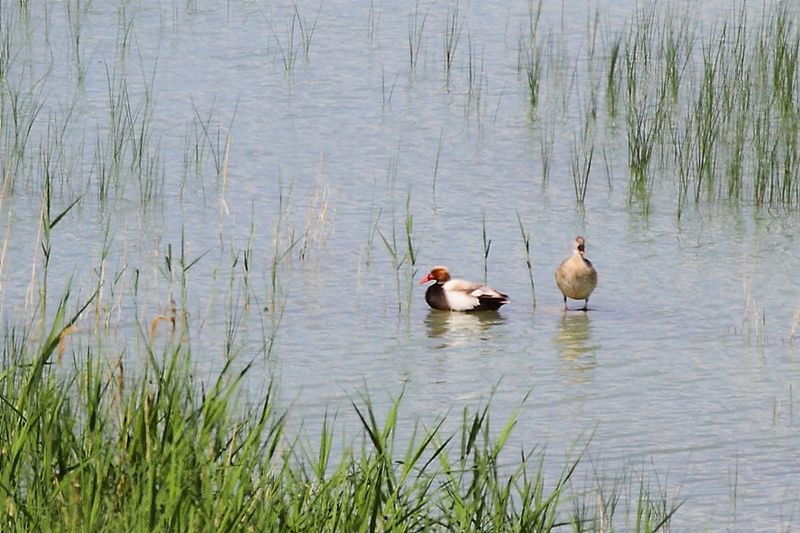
[[684, 369]]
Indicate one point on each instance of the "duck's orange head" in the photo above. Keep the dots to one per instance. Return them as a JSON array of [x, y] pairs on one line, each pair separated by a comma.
[[439, 274]]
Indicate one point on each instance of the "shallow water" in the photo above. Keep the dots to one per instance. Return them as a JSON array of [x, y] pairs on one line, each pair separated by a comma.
[[683, 369]]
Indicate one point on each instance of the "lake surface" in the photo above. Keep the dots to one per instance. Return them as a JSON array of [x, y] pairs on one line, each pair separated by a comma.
[[236, 144]]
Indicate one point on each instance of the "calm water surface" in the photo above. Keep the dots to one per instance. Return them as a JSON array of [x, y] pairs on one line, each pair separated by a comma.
[[684, 370]]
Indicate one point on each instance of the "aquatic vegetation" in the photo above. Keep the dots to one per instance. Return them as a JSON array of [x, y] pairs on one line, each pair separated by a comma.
[[295, 37], [436, 164], [526, 242], [319, 220], [582, 155], [139, 399], [736, 91], [454, 24], [94, 447], [476, 84], [416, 28], [529, 59], [546, 146], [403, 258], [487, 246], [717, 110]]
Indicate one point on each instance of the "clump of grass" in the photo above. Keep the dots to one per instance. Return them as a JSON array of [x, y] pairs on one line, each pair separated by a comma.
[[645, 109], [720, 110], [48, 221], [307, 28], [402, 256], [75, 12], [642, 134], [533, 72], [476, 83], [706, 121], [583, 154], [546, 146], [613, 77], [283, 244], [454, 24], [416, 28], [127, 151], [298, 36], [21, 106], [319, 218], [387, 98], [529, 58], [90, 447]]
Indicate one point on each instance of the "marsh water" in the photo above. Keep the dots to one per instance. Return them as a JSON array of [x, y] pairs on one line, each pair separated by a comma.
[[286, 174]]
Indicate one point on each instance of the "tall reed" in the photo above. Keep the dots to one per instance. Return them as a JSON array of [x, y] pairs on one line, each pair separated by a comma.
[[403, 254], [296, 38], [526, 242], [583, 153], [529, 58], [487, 246], [718, 111], [476, 83], [454, 24], [416, 29]]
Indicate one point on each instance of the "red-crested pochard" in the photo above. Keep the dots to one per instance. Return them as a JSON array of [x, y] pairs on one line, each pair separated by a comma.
[[459, 295], [576, 277]]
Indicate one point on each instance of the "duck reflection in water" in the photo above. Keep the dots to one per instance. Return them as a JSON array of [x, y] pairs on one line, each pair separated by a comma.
[[460, 328], [573, 341]]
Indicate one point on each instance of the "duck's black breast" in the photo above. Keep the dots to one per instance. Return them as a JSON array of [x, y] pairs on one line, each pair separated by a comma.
[[436, 298]]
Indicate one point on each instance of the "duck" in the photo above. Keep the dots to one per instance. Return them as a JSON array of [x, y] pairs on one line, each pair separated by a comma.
[[576, 277], [458, 295]]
